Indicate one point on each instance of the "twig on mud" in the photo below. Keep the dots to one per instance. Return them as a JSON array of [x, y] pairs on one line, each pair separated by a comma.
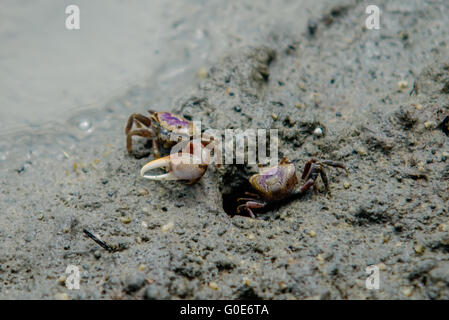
[[98, 241]]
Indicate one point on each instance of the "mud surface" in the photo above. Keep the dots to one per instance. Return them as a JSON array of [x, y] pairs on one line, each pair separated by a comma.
[[379, 96]]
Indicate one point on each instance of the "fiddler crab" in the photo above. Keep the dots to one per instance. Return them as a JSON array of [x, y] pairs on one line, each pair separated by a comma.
[[273, 184], [186, 165], [278, 183], [160, 127]]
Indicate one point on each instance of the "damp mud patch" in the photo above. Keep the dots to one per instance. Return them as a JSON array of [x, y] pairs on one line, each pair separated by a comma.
[[434, 79], [384, 212]]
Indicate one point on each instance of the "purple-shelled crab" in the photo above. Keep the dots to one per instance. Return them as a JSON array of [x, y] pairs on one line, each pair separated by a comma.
[[278, 183], [169, 129], [162, 127]]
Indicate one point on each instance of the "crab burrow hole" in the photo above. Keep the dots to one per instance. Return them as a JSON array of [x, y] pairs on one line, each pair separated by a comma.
[[234, 185]]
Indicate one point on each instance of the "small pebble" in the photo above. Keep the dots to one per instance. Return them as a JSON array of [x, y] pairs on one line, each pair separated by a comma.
[[144, 225], [362, 151], [202, 73], [246, 282], [382, 266], [142, 267], [142, 192], [251, 236], [167, 227], [316, 97], [347, 185], [61, 280], [429, 125], [318, 132], [408, 291], [84, 125], [125, 220], [444, 156], [402, 84], [274, 116], [213, 285], [299, 105], [419, 249], [41, 217], [97, 254], [282, 285], [312, 233], [403, 35]]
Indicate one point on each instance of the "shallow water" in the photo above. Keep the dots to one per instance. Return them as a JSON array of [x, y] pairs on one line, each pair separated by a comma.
[[51, 73]]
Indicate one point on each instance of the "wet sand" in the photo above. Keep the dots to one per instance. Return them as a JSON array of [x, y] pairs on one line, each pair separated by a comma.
[[379, 97]]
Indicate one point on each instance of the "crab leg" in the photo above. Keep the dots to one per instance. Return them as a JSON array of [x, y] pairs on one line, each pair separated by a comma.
[[253, 195], [138, 119], [147, 133], [250, 205], [306, 186], [335, 164], [245, 199]]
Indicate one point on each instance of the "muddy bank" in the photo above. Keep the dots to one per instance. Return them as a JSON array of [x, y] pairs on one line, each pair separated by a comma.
[[379, 97]]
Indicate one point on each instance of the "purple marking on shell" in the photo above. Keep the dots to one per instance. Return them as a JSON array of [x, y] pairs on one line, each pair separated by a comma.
[[172, 120], [263, 177]]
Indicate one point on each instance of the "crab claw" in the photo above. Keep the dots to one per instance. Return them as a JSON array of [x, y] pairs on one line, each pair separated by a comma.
[[183, 168], [185, 165]]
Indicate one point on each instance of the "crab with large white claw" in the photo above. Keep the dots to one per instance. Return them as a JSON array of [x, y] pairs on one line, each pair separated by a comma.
[[187, 165]]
